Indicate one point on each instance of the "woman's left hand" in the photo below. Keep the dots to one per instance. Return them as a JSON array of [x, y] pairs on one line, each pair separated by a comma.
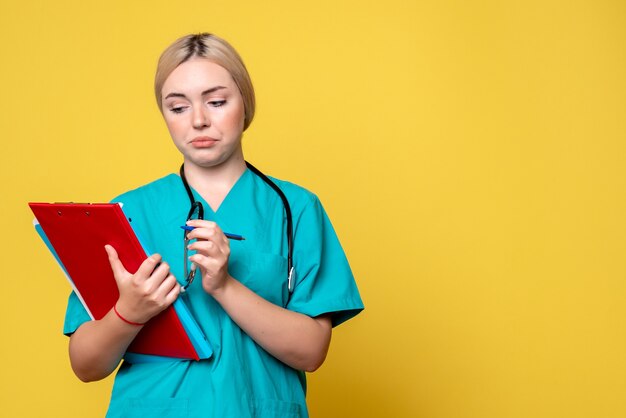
[[212, 252], [295, 339]]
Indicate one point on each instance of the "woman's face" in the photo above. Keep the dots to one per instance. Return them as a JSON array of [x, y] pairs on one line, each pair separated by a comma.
[[204, 112]]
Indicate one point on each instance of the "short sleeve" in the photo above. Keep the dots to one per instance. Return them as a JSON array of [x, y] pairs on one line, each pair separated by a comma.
[[324, 280], [75, 315]]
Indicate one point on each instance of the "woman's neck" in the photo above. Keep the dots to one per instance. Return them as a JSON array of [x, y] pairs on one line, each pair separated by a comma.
[[214, 183]]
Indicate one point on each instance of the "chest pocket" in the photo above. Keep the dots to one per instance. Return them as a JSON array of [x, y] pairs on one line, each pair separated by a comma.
[[263, 273]]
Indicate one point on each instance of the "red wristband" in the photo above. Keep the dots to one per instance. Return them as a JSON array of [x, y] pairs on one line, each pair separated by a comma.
[[124, 319]]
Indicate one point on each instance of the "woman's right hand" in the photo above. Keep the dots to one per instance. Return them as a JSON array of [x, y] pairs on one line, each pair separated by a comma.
[[147, 292], [97, 347]]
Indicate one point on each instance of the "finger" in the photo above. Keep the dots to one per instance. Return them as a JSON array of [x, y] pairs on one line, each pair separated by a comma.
[[116, 265], [207, 263], [201, 223], [148, 266], [205, 247], [159, 274], [199, 260], [209, 230], [204, 234], [172, 295], [221, 253], [167, 288]]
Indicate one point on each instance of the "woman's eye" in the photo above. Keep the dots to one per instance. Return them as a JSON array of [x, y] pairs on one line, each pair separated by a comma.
[[217, 103], [178, 109]]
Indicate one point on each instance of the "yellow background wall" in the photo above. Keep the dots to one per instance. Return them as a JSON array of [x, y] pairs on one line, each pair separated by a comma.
[[471, 155]]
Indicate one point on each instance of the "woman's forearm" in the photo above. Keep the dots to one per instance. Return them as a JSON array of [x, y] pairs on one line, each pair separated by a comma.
[[296, 339], [97, 347]]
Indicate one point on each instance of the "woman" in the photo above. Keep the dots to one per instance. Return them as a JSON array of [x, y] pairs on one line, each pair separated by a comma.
[[266, 327]]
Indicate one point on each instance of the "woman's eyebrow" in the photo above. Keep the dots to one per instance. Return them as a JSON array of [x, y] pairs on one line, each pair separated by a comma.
[[204, 93]]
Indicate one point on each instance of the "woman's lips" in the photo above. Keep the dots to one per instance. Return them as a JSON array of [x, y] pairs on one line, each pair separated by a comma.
[[203, 142]]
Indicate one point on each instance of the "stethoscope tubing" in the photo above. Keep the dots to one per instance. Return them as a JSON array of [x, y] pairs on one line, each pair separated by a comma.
[[283, 198]]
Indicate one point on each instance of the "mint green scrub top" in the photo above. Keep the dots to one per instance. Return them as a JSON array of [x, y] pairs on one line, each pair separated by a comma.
[[240, 379]]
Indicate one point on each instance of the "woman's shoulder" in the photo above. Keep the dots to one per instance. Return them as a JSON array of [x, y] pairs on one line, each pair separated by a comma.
[[151, 191], [298, 196]]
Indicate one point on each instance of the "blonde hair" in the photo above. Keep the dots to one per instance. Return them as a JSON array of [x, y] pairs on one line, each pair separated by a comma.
[[214, 49]]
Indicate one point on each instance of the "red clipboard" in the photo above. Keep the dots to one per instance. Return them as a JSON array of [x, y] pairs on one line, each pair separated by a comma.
[[77, 234]]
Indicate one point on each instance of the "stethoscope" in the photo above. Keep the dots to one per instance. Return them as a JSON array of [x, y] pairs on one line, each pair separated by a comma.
[[195, 204]]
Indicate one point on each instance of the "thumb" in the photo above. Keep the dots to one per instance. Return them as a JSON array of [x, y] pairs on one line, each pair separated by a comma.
[[116, 265]]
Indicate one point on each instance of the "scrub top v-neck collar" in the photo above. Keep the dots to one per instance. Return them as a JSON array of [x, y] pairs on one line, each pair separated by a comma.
[[230, 196]]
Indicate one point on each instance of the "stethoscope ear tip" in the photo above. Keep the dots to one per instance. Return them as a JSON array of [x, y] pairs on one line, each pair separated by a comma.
[[291, 280]]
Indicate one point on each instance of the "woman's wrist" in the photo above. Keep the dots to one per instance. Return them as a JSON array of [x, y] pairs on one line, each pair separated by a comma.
[[220, 292], [126, 320]]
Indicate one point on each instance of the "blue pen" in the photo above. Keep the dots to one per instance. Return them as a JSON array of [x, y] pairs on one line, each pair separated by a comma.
[[229, 236]]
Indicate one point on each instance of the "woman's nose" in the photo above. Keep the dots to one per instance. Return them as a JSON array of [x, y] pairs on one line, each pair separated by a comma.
[[200, 118]]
